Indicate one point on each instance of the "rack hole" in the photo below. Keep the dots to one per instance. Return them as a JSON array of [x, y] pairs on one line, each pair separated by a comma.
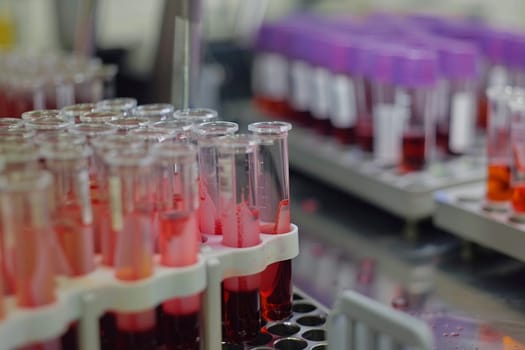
[[311, 321], [297, 297], [284, 329], [315, 335], [319, 347], [261, 339], [303, 308], [290, 344]]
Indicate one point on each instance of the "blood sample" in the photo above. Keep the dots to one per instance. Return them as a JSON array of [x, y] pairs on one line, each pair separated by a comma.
[[237, 163], [273, 201], [130, 182], [517, 106], [73, 215], [28, 234], [179, 236], [499, 148], [206, 135]]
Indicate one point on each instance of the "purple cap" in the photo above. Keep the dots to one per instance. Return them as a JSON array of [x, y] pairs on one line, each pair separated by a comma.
[[495, 45], [516, 51], [416, 67], [382, 62]]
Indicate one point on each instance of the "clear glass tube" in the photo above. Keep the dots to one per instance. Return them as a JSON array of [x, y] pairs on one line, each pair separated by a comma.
[[179, 236], [74, 112], [92, 130], [48, 125], [60, 139], [101, 116], [16, 135], [517, 139], [154, 112], [181, 128], [37, 114], [499, 149], [73, 214], [237, 163], [125, 125], [123, 105], [18, 155], [206, 135], [196, 115], [152, 136], [130, 182], [11, 123], [273, 201]]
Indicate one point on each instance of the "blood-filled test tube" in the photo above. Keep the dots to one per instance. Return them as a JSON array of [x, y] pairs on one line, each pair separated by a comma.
[[155, 112], [206, 135], [74, 112], [28, 235], [273, 201], [130, 185], [499, 149], [73, 215], [179, 236], [105, 116], [240, 228], [123, 105], [517, 139]]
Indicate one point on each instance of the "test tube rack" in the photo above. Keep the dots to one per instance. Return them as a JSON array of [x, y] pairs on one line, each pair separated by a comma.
[[85, 299], [463, 212], [408, 196]]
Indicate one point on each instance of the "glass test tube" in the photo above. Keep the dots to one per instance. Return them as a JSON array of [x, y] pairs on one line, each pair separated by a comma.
[[154, 112], [196, 115], [48, 125], [101, 116], [130, 183], [27, 235], [240, 228], [11, 123], [74, 112], [273, 201], [517, 139], [180, 128], [37, 114], [125, 125], [73, 215], [151, 136], [499, 149], [206, 135], [179, 236], [123, 105]]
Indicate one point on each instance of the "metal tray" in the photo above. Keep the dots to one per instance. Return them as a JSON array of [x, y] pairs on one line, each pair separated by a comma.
[[462, 211], [305, 330]]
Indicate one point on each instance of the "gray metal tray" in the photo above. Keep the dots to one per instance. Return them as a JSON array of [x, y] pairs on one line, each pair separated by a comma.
[[306, 329], [461, 211], [409, 196]]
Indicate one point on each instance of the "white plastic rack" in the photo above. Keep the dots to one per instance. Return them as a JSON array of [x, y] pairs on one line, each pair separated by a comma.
[[86, 299], [462, 211]]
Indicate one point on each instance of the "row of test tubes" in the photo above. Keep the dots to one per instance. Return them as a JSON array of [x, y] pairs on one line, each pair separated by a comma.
[[31, 80], [505, 190], [408, 90], [123, 183]]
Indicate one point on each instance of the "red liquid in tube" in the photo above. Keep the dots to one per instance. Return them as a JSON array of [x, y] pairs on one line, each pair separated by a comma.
[[413, 152]]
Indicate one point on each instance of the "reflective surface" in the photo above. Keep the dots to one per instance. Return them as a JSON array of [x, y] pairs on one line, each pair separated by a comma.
[[471, 297]]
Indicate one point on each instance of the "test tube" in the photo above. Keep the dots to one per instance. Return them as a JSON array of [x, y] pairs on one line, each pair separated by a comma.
[[517, 136], [499, 149], [196, 115], [105, 116], [206, 135], [415, 108], [11, 123], [240, 228], [125, 125], [122, 104], [130, 183], [37, 114], [73, 215], [180, 128], [154, 112], [179, 236], [74, 112], [27, 234], [274, 213], [151, 136]]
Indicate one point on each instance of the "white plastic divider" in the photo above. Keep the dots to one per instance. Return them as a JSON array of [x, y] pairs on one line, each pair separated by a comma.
[[86, 298]]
